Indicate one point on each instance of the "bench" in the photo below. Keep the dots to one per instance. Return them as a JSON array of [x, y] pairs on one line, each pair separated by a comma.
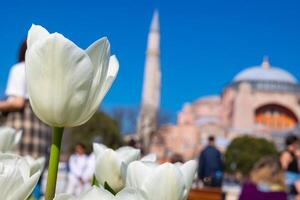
[[205, 194]]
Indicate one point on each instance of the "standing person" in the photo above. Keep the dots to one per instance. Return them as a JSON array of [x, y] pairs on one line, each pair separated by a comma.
[[88, 176], [36, 135], [79, 166], [266, 181], [210, 165], [289, 162]]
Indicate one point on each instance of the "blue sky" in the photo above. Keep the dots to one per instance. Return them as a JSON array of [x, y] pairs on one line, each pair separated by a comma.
[[203, 43]]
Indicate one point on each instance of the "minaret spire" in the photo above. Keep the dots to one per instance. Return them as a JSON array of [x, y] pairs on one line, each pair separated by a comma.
[[147, 121], [265, 64], [155, 22]]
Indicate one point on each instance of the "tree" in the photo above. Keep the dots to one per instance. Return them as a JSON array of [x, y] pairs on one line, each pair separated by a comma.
[[100, 128], [244, 151], [127, 118]]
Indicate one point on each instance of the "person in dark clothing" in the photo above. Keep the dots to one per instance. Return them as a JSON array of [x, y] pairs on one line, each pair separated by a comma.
[[210, 165], [289, 162]]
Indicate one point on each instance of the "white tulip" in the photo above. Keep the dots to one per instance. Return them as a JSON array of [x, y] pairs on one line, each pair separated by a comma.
[[9, 139], [16, 180], [161, 182], [66, 83], [111, 165], [96, 193], [35, 164], [149, 158]]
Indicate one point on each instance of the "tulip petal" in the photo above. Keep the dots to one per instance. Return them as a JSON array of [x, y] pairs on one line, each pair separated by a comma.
[[108, 170], [149, 158], [35, 164], [110, 77], [10, 180], [17, 138], [64, 197], [15, 180], [36, 33], [26, 189], [6, 138], [99, 53], [128, 154], [96, 51], [9, 139], [165, 183], [129, 194], [137, 173], [17, 161], [188, 170], [99, 149], [64, 74], [96, 193]]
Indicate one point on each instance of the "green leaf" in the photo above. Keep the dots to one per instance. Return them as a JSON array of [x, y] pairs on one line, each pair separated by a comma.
[[95, 182], [107, 187]]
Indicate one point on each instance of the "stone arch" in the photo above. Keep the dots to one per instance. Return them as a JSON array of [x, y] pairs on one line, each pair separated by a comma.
[[275, 116]]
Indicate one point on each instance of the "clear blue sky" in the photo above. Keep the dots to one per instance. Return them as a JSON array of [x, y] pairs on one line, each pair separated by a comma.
[[203, 43]]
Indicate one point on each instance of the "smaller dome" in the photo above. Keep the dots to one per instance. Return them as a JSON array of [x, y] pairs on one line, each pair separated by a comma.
[[265, 72]]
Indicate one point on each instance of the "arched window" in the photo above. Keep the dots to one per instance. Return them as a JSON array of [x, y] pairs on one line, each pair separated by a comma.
[[275, 116]]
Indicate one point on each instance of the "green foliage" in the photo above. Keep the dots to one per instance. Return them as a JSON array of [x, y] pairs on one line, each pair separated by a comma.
[[108, 188], [244, 151], [101, 128]]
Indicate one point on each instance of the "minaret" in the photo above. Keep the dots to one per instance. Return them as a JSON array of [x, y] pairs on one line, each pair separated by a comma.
[[147, 121], [265, 64]]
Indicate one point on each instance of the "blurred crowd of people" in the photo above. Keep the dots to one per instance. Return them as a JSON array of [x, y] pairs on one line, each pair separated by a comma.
[[271, 178]]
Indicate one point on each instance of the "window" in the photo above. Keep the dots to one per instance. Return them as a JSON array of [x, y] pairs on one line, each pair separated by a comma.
[[275, 117]]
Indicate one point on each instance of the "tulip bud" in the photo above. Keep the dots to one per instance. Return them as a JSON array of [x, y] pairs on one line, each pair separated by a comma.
[[35, 164], [161, 182], [111, 165], [9, 139], [16, 179], [99, 193], [66, 83]]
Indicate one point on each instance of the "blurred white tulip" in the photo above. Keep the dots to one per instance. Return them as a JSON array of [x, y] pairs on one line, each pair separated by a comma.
[[111, 165], [9, 139], [35, 164], [161, 182], [149, 158], [66, 83], [17, 179], [96, 193]]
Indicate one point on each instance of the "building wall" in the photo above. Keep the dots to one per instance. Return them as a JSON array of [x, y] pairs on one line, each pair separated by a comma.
[[246, 102], [243, 116], [288, 100], [225, 117], [208, 107], [181, 139]]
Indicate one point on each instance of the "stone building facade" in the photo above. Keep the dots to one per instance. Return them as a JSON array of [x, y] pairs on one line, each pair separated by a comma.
[[261, 100]]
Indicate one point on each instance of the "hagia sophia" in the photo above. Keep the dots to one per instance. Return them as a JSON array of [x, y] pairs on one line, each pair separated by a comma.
[[261, 100]]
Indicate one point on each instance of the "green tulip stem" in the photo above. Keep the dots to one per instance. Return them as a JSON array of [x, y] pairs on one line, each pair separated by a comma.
[[57, 134]]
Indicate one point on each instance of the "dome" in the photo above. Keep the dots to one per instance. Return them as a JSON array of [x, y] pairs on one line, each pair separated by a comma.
[[265, 72]]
